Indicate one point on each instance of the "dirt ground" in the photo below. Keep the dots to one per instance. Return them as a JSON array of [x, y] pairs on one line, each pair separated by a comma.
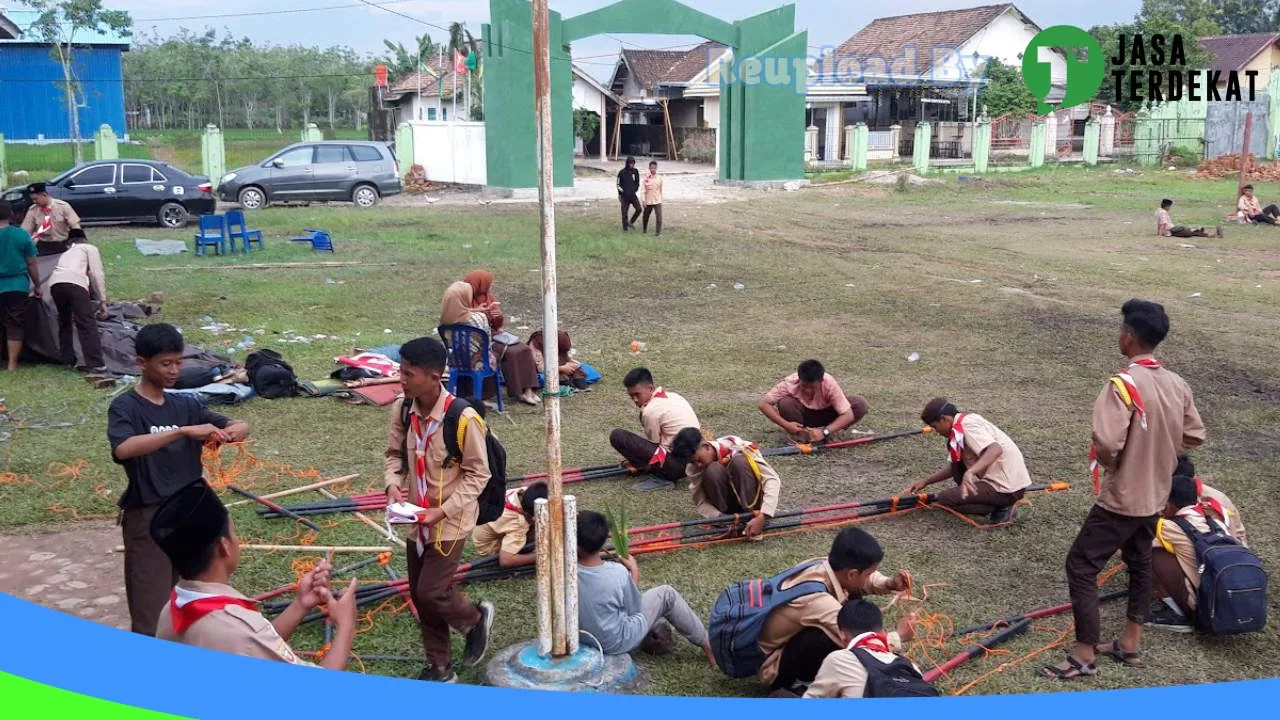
[[72, 568]]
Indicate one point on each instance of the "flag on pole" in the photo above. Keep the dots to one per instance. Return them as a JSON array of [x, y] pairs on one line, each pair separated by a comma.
[[473, 62], [459, 63]]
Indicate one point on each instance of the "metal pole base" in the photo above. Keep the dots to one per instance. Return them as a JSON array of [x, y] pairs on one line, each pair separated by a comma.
[[522, 667]]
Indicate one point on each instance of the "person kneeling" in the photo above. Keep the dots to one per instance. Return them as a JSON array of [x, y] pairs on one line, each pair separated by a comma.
[[193, 529], [866, 667], [510, 537], [728, 476]]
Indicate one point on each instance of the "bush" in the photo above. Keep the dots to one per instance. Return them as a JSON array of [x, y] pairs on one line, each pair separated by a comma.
[[699, 147]]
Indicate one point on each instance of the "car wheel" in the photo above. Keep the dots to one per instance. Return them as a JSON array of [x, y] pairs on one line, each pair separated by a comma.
[[365, 196], [252, 198], [172, 215]]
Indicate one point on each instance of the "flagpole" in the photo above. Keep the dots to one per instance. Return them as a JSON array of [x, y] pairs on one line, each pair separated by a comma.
[[440, 82], [455, 85]]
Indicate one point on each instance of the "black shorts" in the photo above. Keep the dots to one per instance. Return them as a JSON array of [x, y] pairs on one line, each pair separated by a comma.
[[13, 308]]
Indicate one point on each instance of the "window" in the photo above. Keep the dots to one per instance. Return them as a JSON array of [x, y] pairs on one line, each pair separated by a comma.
[[365, 153], [296, 157], [96, 175], [331, 154], [136, 174], [431, 113]]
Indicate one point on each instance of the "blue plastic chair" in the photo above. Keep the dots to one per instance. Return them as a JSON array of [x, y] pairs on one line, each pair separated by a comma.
[[458, 342], [319, 239], [238, 229], [213, 233]]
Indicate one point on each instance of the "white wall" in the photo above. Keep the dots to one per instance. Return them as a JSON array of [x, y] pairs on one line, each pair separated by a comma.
[[1004, 39], [711, 111], [585, 97], [450, 152], [411, 107]]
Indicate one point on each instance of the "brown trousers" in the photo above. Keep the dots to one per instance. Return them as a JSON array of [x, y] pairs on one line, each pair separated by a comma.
[[732, 488], [148, 576], [1169, 580], [1102, 534], [652, 210], [983, 502], [637, 450], [792, 409], [519, 369], [439, 603], [75, 311]]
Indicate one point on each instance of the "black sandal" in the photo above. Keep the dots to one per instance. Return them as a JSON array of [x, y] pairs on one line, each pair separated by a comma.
[[1117, 653], [1077, 669]]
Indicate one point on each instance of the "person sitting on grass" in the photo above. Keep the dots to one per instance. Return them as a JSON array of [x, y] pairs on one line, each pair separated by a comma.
[[986, 465], [610, 606], [1215, 501], [728, 476], [810, 405], [1249, 210], [195, 532], [510, 537], [844, 673], [1166, 228], [662, 414]]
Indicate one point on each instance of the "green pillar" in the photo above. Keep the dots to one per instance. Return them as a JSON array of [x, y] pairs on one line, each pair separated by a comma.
[[1037, 143], [1273, 93], [1092, 132], [311, 133], [4, 169], [1146, 141], [105, 146], [860, 147], [920, 157], [213, 154], [404, 147], [981, 144]]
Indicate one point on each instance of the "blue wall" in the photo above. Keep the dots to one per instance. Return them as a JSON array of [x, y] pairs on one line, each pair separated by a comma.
[[32, 101]]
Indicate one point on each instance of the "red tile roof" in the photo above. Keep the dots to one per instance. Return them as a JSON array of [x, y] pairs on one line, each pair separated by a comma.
[[654, 67], [888, 37], [1233, 52]]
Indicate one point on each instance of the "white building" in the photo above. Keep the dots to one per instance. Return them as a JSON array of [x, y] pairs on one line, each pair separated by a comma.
[[590, 95]]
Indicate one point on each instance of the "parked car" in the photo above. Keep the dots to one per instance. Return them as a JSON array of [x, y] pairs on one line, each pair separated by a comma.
[[361, 172], [126, 190]]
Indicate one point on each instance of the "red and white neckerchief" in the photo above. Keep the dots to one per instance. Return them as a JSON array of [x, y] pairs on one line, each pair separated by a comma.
[[422, 441], [1128, 390], [955, 444], [187, 607], [46, 222], [512, 501], [729, 445], [876, 642], [1209, 502], [659, 456]]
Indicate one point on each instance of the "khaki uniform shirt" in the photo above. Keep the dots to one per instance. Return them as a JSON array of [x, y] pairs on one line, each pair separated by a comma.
[[818, 610], [1139, 472], [1235, 525], [652, 189], [1164, 222], [1008, 474], [63, 220], [666, 415], [454, 489], [727, 448], [843, 675], [233, 629], [1170, 538], [509, 533]]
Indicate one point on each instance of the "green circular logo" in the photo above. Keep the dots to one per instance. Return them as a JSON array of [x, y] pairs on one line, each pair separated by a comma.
[[1084, 77]]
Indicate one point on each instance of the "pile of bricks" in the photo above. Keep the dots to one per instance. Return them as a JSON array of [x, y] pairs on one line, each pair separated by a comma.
[[416, 183], [1225, 165]]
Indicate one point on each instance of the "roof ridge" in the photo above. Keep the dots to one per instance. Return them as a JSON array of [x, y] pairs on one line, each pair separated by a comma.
[[941, 12]]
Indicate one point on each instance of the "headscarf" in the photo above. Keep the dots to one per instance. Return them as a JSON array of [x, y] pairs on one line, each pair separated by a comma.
[[564, 344], [481, 282], [455, 309]]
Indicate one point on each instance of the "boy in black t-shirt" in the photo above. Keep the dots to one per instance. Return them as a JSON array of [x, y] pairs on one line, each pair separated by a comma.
[[157, 437]]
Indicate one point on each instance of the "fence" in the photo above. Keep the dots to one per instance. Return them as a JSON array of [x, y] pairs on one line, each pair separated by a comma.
[[449, 152], [1224, 128]]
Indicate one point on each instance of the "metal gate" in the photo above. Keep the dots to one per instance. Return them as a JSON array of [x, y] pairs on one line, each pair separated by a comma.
[[1224, 127]]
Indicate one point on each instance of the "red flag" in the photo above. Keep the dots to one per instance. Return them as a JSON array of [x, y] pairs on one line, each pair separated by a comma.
[[459, 62]]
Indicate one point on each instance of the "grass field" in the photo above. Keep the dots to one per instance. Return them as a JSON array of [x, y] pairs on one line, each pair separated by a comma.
[[1009, 289]]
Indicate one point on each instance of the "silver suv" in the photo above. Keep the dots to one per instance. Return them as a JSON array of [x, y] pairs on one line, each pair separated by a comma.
[[361, 172]]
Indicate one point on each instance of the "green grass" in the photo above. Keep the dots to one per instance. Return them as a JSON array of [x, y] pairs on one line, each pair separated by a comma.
[[857, 276]]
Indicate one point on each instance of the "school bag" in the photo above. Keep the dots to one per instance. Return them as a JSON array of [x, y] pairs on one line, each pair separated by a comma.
[[740, 613], [270, 376], [896, 679], [492, 499], [1232, 597]]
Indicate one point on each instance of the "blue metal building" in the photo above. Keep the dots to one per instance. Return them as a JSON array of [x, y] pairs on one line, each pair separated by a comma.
[[32, 102]]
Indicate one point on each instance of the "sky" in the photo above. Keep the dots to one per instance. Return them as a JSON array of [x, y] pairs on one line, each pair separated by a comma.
[[363, 28]]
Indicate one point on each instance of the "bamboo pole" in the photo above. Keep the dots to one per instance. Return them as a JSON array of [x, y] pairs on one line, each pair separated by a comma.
[[272, 506], [317, 548], [541, 519], [295, 491], [272, 266], [382, 531]]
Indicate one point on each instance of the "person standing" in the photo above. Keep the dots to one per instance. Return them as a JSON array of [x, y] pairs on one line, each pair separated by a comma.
[[628, 187], [49, 220], [75, 281], [1143, 420], [19, 278], [653, 200]]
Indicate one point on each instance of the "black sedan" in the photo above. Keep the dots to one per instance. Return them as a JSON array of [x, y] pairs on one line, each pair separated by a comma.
[[127, 190]]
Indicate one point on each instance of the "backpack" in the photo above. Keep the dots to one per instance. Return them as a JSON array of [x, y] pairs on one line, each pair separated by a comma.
[[270, 376], [740, 613], [492, 499], [1232, 596], [892, 680]]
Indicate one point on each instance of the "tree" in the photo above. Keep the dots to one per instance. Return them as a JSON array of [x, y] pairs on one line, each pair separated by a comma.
[[1005, 92], [402, 60], [1248, 16], [1191, 19], [585, 124], [61, 23]]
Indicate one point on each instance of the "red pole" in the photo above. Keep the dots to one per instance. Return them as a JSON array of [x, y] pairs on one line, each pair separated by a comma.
[[1244, 154]]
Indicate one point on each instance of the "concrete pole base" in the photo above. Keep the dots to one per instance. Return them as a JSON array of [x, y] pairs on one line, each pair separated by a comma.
[[521, 667]]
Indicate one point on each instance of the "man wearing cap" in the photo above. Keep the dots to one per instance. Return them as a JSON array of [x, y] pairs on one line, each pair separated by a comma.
[[195, 531], [49, 220]]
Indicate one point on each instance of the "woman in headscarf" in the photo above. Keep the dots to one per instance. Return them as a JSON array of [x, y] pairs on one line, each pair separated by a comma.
[[517, 362], [482, 298], [571, 372]]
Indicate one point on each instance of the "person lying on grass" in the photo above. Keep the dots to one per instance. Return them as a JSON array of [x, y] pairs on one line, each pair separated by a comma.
[[728, 476], [1166, 228], [510, 537]]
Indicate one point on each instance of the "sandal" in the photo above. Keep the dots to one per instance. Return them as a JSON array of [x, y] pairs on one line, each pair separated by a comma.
[[1075, 669], [1117, 653]]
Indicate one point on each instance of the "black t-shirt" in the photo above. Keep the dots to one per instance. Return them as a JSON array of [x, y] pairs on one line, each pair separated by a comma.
[[629, 180], [154, 477]]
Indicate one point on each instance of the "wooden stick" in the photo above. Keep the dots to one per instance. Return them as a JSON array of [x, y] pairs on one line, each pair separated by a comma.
[[272, 266], [382, 531], [272, 506], [365, 382], [317, 548], [295, 491]]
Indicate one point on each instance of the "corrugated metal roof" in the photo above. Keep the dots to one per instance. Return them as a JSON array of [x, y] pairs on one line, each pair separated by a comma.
[[24, 19]]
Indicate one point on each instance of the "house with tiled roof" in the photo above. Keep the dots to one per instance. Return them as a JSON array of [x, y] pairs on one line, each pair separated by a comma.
[[657, 87], [1250, 51], [428, 94]]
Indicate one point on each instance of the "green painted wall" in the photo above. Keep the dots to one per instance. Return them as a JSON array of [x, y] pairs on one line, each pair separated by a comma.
[[105, 145], [1037, 143], [1091, 133], [772, 122], [213, 154], [981, 145], [651, 17]]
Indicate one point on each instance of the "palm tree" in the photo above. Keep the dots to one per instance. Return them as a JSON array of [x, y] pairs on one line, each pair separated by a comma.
[[403, 61]]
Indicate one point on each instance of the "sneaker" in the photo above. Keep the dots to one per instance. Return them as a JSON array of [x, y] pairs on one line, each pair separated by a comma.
[[478, 638], [1003, 516], [1166, 618], [433, 674]]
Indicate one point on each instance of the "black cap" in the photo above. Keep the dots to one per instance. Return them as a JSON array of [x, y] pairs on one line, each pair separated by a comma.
[[189, 522], [37, 187]]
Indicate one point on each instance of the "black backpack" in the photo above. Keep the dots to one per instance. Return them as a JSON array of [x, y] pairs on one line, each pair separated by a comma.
[[1232, 596], [492, 499], [897, 679], [270, 376]]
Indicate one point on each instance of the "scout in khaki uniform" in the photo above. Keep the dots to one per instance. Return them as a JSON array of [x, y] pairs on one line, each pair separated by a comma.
[[417, 472], [509, 535], [810, 405], [1215, 501], [194, 530], [1143, 420], [663, 414], [652, 200], [843, 674], [986, 465], [728, 475], [49, 220]]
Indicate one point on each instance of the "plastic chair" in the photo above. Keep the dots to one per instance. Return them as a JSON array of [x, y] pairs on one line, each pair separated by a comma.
[[458, 343], [213, 233], [235, 219], [319, 239]]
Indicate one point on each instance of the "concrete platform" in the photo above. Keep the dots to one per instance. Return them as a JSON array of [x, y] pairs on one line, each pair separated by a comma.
[[521, 667]]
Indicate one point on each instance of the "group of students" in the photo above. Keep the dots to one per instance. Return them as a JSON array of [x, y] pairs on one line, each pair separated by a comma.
[[817, 635], [77, 286], [1249, 211]]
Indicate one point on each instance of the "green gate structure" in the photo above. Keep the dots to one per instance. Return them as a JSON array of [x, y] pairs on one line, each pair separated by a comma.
[[762, 94]]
